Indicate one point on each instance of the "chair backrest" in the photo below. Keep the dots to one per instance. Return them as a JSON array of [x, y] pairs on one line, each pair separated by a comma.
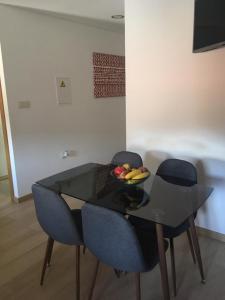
[[55, 217], [112, 239], [178, 172], [134, 159]]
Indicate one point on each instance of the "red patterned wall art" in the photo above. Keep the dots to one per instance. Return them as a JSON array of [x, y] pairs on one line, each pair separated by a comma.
[[109, 75]]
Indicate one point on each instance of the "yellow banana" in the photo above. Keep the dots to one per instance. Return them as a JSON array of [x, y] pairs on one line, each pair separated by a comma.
[[126, 166], [141, 176], [131, 181], [132, 174]]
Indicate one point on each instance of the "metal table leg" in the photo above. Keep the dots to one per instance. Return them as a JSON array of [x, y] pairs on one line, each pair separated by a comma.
[[163, 265]]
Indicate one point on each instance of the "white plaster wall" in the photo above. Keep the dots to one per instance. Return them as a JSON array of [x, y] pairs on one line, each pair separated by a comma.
[[36, 48], [176, 99], [3, 166]]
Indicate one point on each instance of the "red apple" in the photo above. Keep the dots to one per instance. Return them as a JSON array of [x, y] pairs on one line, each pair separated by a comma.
[[119, 170], [123, 174]]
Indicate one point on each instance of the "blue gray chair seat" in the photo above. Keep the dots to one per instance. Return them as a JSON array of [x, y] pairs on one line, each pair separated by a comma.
[[132, 158], [60, 223], [168, 232], [116, 243], [181, 173]]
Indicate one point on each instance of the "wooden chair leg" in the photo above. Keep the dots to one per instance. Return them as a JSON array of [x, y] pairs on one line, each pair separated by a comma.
[[94, 281], [138, 286], [196, 247], [118, 273], [191, 245], [173, 267], [77, 272], [50, 254], [84, 249], [47, 258]]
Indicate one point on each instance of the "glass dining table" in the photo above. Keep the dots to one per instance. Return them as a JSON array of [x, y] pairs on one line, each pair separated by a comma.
[[154, 200]]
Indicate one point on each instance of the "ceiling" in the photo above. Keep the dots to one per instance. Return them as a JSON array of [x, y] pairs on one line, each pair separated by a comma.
[[95, 11]]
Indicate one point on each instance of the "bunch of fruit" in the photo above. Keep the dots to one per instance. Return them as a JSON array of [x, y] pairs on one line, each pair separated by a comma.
[[129, 174]]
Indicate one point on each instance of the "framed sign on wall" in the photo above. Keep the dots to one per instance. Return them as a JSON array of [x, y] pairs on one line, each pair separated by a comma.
[[64, 90]]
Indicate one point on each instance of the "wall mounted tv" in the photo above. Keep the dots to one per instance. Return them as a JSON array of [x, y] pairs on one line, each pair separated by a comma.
[[209, 25]]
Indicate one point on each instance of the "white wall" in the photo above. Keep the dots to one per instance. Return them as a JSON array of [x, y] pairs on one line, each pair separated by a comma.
[[176, 99], [36, 48], [3, 166]]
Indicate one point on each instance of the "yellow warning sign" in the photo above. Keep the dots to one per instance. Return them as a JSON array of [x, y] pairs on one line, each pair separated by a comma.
[[62, 84]]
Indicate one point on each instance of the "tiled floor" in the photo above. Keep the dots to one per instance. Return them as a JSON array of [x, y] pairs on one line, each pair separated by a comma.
[[22, 245]]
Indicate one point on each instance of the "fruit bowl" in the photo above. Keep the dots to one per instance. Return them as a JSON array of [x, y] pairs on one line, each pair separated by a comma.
[[129, 175], [130, 181]]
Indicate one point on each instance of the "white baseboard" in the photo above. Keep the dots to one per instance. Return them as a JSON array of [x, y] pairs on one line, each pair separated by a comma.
[[211, 234], [23, 198]]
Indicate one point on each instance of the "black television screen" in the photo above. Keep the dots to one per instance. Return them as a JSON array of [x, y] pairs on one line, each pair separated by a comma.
[[209, 25]]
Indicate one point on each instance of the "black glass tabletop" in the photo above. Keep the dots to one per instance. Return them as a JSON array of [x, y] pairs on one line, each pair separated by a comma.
[[153, 199]]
